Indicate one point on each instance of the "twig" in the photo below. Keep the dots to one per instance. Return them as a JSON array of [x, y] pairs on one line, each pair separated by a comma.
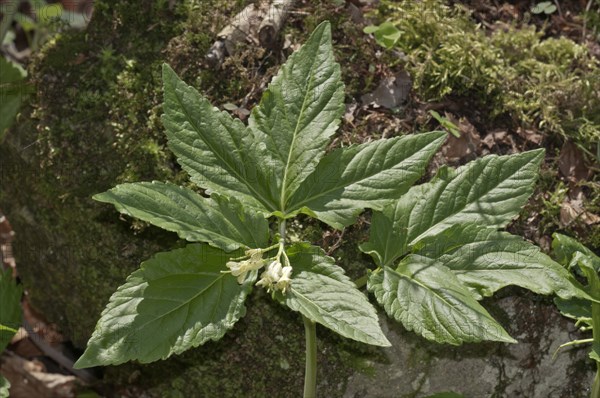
[[57, 356], [587, 10]]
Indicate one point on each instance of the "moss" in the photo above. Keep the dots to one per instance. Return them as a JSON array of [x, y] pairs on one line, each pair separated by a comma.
[[548, 83]]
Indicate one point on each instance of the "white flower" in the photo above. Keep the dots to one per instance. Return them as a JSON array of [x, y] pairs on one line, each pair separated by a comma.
[[270, 276], [284, 281], [254, 254], [275, 277], [241, 268]]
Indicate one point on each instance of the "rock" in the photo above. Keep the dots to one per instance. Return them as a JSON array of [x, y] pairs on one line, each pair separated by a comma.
[[93, 123], [417, 368]]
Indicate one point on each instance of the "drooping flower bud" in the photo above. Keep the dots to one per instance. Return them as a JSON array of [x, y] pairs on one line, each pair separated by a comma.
[[270, 276], [276, 277], [284, 281]]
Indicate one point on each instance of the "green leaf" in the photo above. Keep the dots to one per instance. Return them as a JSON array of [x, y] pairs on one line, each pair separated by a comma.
[[323, 293], [4, 387], [428, 299], [215, 149], [545, 7], [595, 354], [12, 93], [49, 12], [565, 247], [575, 308], [10, 310], [386, 34], [489, 191], [222, 222], [487, 260], [445, 123], [298, 114], [365, 176], [176, 300]]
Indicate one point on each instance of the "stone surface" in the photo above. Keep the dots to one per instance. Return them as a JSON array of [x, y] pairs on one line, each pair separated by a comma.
[[416, 368]]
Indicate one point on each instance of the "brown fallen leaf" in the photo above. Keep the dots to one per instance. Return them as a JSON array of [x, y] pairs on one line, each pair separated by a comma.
[[530, 136], [457, 148], [570, 210], [391, 92], [571, 163]]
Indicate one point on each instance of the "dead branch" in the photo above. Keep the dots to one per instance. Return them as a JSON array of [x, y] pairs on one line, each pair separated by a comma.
[[256, 24]]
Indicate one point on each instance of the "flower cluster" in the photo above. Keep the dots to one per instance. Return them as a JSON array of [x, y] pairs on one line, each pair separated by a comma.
[[276, 277], [241, 268]]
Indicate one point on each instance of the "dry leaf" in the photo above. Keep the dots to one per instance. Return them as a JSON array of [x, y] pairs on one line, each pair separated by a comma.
[[571, 163], [457, 148], [570, 210], [391, 92], [530, 136]]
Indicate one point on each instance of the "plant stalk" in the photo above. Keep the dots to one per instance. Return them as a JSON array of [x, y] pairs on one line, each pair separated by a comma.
[[310, 376], [596, 346], [310, 333]]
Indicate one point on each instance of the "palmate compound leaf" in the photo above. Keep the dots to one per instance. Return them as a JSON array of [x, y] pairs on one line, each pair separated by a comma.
[[176, 300], [262, 164], [489, 191], [222, 222], [364, 176], [486, 260], [298, 114], [10, 307], [428, 299], [323, 293]]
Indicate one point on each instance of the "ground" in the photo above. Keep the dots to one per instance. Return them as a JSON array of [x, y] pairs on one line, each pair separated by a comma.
[[94, 122]]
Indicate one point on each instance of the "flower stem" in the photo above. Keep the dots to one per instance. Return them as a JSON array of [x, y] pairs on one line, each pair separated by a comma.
[[595, 287], [310, 332], [362, 281], [310, 376], [596, 346]]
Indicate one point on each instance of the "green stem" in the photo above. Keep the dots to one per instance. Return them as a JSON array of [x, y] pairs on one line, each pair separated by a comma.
[[596, 385], [362, 281], [596, 345], [310, 376], [310, 332], [282, 229]]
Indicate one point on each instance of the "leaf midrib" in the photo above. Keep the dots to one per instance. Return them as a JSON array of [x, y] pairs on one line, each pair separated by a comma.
[[218, 155], [195, 228], [427, 288], [295, 134], [219, 277], [348, 325], [478, 198]]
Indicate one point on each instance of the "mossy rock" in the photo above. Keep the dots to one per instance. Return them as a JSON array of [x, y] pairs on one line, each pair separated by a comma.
[[94, 122]]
